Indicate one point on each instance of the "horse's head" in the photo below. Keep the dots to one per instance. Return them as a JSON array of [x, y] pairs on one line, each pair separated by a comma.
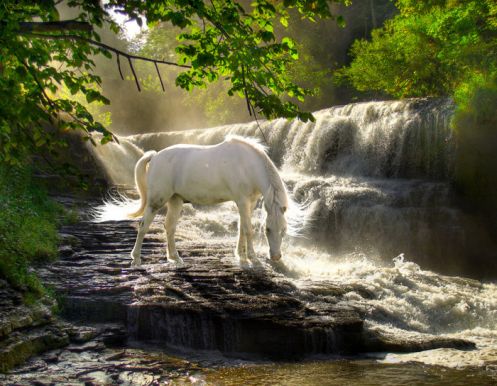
[[275, 230]]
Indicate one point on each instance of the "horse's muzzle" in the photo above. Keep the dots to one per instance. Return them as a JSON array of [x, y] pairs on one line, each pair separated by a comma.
[[276, 257]]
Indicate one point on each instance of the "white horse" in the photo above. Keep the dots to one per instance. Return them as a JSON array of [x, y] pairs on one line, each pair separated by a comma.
[[236, 170]]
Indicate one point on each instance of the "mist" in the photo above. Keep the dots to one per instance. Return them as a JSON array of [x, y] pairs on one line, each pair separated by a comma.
[[323, 48]]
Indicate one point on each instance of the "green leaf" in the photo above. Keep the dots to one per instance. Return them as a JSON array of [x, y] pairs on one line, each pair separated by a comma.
[[92, 95], [266, 36]]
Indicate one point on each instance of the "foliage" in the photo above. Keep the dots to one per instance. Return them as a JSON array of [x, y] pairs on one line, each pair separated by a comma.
[[432, 48], [225, 40], [34, 67], [28, 228], [96, 108], [443, 48], [220, 39], [208, 106]]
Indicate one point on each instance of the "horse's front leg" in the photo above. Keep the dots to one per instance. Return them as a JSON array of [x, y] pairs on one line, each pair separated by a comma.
[[245, 248], [241, 245], [174, 206], [145, 222], [250, 231]]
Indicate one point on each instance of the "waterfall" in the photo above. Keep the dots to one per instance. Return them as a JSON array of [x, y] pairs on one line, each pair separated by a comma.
[[377, 176], [117, 160], [402, 139]]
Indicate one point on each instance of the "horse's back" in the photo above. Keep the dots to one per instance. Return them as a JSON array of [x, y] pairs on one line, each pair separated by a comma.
[[207, 174]]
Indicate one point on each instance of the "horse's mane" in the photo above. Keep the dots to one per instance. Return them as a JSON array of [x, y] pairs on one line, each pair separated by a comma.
[[276, 196]]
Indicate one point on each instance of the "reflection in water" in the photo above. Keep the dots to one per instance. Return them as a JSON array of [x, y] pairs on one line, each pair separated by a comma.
[[343, 373]]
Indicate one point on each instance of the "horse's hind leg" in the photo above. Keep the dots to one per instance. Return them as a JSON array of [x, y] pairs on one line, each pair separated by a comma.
[[145, 222], [174, 206]]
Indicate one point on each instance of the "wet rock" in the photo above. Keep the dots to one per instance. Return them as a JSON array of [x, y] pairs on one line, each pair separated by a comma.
[[70, 240], [21, 345], [26, 330], [114, 336], [65, 250], [210, 302], [16, 315], [93, 346], [132, 366], [82, 334], [381, 340]]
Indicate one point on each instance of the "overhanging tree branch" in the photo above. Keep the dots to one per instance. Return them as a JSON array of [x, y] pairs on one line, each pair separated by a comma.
[[102, 45], [106, 47], [54, 26]]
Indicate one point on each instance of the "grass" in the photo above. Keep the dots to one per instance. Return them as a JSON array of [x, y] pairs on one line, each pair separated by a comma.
[[28, 229]]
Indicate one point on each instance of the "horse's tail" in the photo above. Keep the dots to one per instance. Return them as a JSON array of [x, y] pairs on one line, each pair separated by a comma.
[[141, 181]]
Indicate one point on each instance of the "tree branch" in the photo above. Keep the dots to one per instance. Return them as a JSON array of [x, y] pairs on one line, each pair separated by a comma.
[[101, 45], [247, 99], [54, 26]]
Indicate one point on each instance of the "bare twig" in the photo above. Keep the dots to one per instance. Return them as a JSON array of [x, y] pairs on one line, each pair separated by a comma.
[[160, 78], [134, 74], [94, 369], [250, 108], [258, 124], [119, 66], [245, 91]]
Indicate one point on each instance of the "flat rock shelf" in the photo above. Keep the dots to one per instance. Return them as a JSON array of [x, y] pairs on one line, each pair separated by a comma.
[[211, 302]]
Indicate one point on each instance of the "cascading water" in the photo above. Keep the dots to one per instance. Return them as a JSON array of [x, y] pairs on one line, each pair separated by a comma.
[[406, 139], [378, 175], [118, 160], [377, 180]]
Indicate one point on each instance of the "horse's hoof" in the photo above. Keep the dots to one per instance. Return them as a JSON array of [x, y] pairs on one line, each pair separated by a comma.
[[244, 263], [176, 263], [241, 256], [136, 263]]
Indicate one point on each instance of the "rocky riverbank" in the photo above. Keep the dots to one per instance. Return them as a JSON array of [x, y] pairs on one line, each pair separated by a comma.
[[97, 355], [209, 303], [26, 330]]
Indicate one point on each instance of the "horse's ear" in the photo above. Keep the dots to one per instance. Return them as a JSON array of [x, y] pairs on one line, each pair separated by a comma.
[[283, 209]]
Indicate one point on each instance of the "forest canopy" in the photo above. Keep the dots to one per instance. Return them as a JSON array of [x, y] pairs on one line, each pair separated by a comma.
[[40, 52], [431, 48]]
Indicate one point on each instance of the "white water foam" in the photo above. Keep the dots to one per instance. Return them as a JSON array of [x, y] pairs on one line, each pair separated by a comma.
[[397, 297]]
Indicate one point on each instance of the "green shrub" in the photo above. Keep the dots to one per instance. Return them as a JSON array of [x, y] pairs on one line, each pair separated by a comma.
[[28, 228]]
